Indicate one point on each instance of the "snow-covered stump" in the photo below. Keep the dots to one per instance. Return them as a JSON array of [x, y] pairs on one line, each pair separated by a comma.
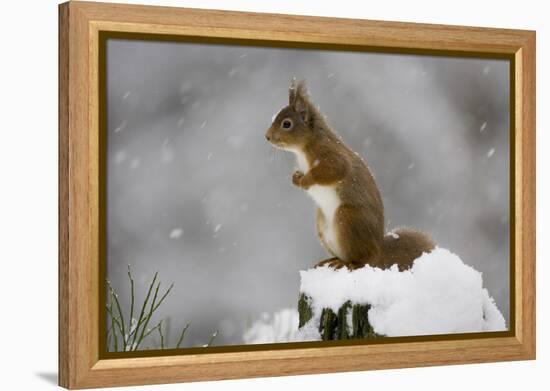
[[349, 322], [438, 295]]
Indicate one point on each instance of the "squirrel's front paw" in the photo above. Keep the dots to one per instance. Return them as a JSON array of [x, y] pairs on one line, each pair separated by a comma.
[[297, 178]]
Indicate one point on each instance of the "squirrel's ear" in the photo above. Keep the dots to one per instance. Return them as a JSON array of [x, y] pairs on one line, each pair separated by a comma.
[[292, 92], [298, 99]]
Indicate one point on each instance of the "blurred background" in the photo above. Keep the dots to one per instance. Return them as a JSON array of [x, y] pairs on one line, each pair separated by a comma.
[[196, 193]]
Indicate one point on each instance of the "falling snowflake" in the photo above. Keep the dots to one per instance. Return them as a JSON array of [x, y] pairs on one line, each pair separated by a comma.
[[121, 126], [120, 156], [393, 235], [176, 233]]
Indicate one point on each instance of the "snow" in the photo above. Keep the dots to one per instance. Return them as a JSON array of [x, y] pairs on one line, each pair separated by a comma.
[[133, 325], [120, 156], [491, 152], [438, 295], [483, 126], [217, 228], [282, 326], [393, 235], [121, 126], [176, 233]]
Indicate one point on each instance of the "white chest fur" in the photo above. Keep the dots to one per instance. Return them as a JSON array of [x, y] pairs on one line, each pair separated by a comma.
[[327, 200]]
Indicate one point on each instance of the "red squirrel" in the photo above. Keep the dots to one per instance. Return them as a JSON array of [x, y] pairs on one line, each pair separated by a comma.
[[350, 212]]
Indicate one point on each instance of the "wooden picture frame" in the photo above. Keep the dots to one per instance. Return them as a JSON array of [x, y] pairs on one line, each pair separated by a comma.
[[81, 25]]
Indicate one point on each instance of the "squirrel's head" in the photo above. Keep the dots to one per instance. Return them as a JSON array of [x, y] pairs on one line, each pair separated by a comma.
[[293, 126]]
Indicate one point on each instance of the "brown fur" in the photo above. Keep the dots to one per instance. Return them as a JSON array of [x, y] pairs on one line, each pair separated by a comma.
[[406, 247], [359, 219]]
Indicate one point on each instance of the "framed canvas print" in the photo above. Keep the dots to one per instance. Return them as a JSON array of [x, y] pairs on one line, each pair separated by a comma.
[[248, 195]]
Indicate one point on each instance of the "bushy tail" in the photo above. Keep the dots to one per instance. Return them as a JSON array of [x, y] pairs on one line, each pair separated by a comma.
[[403, 245]]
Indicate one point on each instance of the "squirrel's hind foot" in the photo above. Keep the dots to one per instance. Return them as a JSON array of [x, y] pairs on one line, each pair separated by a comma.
[[325, 262], [336, 264]]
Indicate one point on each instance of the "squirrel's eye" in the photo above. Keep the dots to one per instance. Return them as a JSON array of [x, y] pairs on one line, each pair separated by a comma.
[[286, 124]]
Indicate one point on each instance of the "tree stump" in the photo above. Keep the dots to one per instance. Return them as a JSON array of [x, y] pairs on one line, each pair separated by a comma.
[[349, 322]]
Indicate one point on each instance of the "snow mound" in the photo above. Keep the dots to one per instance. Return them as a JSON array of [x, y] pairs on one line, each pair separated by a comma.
[[282, 326], [438, 295]]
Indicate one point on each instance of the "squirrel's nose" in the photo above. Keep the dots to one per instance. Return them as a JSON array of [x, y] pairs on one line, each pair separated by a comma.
[[268, 137]]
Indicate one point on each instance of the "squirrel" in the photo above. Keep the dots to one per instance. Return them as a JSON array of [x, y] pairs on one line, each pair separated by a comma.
[[350, 211]]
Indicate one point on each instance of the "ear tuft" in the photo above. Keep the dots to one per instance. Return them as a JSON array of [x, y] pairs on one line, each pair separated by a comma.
[[298, 99], [292, 91], [297, 88]]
